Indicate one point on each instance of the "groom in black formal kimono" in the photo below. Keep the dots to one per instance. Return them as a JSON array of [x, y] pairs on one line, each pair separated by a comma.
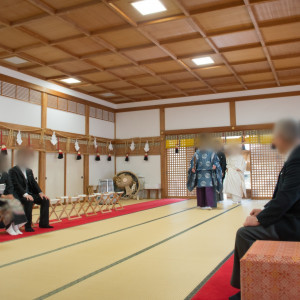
[[280, 218], [28, 191]]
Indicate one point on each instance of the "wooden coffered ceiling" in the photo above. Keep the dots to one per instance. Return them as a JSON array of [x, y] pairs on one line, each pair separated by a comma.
[[122, 56]]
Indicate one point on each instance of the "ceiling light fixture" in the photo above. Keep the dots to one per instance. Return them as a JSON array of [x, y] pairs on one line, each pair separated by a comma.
[[107, 94], [70, 80], [15, 60], [203, 61], [147, 7]]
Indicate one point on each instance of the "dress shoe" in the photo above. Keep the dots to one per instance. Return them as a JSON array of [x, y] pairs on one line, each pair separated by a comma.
[[236, 296], [29, 229], [46, 226]]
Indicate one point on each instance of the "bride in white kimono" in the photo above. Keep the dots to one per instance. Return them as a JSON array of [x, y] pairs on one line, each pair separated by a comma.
[[234, 182]]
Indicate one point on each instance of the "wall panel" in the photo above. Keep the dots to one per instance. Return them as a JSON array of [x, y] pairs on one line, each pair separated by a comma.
[[198, 116], [101, 128], [65, 121], [19, 112], [102, 169], [141, 123], [74, 175], [55, 175], [267, 111], [149, 169]]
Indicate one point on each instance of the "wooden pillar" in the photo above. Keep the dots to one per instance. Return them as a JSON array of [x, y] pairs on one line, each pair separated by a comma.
[[163, 154], [42, 154], [232, 115], [115, 136], [65, 174], [86, 157]]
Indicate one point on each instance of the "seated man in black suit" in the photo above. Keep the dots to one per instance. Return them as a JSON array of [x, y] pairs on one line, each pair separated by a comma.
[[280, 219], [28, 191]]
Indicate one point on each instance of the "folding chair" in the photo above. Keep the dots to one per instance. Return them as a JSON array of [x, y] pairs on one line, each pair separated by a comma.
[[116, 201], [90, 200], [103, 199], [74, 202], [64, 203], [54, 203]]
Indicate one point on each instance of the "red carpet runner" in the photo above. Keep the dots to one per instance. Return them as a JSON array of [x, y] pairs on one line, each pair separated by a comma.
[[218, 286], [128, 209]]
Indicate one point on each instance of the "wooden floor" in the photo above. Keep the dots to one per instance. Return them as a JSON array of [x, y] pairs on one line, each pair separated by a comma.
[[156, 254]]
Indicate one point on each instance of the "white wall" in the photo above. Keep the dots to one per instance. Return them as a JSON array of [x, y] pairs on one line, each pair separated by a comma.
[[101, 128], [142, 123], [102, 169], [267, 110], [65, 121], [149, 169], [19, 112], [197, 116]]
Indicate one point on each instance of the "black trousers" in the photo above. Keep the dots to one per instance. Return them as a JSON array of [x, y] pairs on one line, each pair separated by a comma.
[[245, 237], [44, 210]]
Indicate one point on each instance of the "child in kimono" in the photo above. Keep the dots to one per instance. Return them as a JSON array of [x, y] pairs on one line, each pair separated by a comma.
[[205, 163]]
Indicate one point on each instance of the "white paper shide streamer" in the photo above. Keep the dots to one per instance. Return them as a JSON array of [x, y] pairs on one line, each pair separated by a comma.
[[110, 147], [76, 145], [19, 138], [53, 139], [132, 146]]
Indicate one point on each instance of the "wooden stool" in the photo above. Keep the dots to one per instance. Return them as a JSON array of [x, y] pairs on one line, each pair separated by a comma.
[[116, 201], [82, 199], [64, 203], [90, 200], [54, 203], [74, 202], [106, 202]]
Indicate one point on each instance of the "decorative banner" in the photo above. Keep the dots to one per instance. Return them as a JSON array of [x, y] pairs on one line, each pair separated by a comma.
[[132, 146], [109, 157], [76, 145], [146, 156], [53, 139], [3, 147], [127, 157], [19, 138], [97, 158]]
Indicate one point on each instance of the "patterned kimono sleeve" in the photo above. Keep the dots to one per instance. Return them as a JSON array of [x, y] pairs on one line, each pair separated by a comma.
[[216, 162], [193, 164]]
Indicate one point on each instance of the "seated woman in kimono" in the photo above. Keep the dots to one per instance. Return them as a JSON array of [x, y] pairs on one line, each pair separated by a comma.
[[12, 215], [206, 165], [234, 182]]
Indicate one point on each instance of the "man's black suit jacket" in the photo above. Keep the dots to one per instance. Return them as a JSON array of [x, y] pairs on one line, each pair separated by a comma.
[[5, 179], [21, 185], [284, 209]]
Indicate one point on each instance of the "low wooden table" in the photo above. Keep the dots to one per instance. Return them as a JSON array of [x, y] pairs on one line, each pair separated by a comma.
[[148, 190]]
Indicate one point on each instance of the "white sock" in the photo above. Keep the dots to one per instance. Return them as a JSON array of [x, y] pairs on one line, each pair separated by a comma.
[[10, 230], [16, 229]]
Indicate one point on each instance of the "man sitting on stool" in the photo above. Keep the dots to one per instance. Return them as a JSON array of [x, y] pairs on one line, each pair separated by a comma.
[[28, 191], [280, 219]]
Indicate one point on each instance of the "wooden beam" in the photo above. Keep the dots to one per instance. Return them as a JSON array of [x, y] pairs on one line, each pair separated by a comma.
[[232, 114], [261, 39], [163, 160]]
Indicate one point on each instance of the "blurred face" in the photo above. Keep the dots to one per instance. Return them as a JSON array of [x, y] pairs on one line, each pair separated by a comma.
[[280, 143], [25, 159]]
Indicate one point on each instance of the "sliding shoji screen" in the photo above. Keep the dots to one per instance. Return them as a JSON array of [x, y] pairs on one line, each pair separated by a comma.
[[266, 164]]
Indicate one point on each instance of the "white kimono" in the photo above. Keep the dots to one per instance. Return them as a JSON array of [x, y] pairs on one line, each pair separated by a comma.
[[234, 182]]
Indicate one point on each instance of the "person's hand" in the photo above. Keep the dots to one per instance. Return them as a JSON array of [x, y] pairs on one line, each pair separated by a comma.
[[10, 197], [255, 212], [28, 197], [43, 196], [214, 167], [251, 221], [193, 170]]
